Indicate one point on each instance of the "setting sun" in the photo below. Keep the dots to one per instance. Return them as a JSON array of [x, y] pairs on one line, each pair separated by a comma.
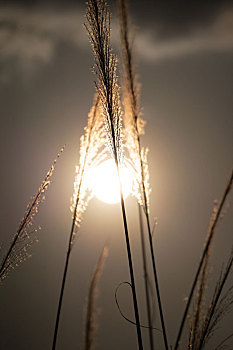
[[105, 183]]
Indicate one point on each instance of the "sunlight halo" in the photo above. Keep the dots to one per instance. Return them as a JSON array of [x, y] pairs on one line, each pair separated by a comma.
[[105, 184]]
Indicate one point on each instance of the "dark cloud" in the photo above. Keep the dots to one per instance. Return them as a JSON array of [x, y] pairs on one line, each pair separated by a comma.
[[176, 18], [170, 18], [31, 32], [30, 36]]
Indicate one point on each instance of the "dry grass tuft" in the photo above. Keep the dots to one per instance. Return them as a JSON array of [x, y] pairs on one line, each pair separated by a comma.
[[90, 320], [24, 236]]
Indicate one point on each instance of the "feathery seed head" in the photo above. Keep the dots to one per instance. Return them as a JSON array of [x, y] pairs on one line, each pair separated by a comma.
[[98, 27], [92, 152], [24, 237], [133, 123]]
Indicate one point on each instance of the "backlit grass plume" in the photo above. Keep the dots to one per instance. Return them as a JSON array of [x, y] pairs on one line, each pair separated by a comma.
[[211, 316], [24, 236], [91, 152], [218, 307], [133, 122], [90, 319], [134, 127], [197, 319], [98, 27], [211, 232]]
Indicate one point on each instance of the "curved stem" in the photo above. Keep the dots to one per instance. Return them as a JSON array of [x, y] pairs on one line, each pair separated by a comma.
[[151, 243], [136, 312]]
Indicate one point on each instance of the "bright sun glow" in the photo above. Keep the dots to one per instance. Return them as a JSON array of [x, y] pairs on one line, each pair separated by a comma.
[[105, 183]]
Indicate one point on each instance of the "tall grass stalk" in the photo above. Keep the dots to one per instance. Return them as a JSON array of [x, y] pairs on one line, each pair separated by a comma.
[[146, 278], [17, 251], [91, 143], [210, 236], [197, 321], [98, 27], [90, 321], [214, 314], [134, 127], [199, 304]]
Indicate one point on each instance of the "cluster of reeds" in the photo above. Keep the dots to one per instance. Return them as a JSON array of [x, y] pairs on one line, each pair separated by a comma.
[[98, 28], [113, 131]]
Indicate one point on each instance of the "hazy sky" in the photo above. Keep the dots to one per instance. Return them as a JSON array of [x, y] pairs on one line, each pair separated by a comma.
[[184, 55]]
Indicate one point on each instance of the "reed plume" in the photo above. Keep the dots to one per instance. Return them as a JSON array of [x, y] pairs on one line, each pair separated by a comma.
[[134, 127], [133, 122], [218, 307], [24, 236], [90, 319], [198, 317], [98, 18], [210, 235], [91, 152], [98, 27]]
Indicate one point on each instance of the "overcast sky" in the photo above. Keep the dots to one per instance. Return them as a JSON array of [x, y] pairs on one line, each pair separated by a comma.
[[183, 55]]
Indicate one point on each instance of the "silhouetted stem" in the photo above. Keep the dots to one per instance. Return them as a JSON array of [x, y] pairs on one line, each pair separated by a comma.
[[99, 33], [151, 243], [127, 55], [65, 269], [156, 282], [146, 278], [215, 301], [62, 291], [136, 312], [72, 231], [205, 251]]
